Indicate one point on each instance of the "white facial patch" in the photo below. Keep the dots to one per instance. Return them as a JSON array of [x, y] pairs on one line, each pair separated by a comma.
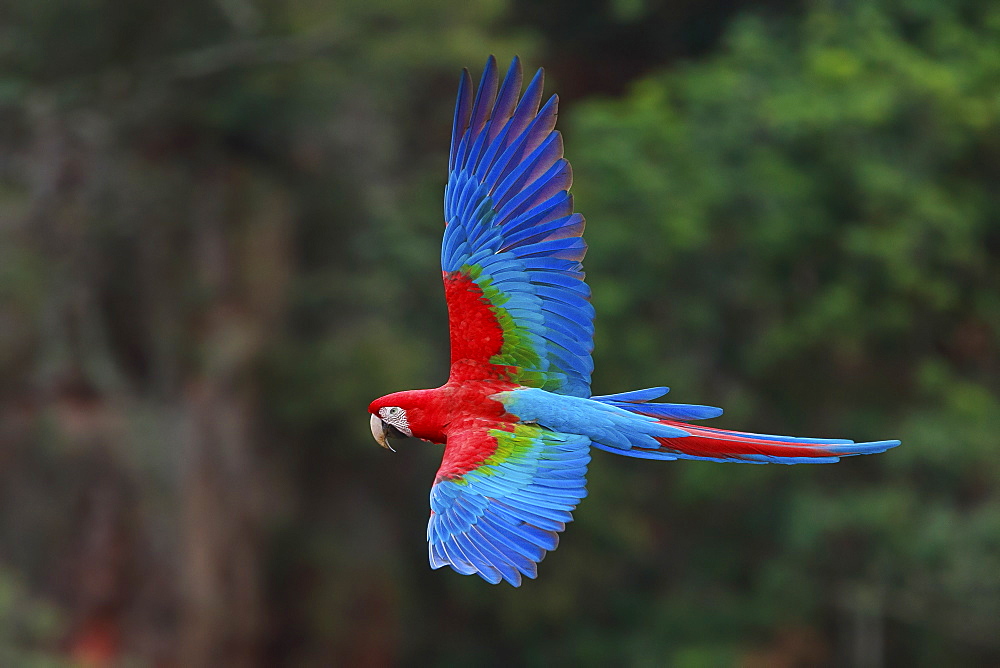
[[395, 416]]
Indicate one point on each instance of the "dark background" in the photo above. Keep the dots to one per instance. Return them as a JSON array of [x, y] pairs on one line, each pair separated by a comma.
[[219, 229]]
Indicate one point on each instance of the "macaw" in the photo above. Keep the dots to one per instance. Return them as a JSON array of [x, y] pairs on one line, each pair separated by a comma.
[[516, 415]]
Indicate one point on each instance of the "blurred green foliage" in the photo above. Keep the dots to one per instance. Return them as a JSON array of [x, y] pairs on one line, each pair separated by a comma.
[[27, 626], [219, 227], [818, 216]]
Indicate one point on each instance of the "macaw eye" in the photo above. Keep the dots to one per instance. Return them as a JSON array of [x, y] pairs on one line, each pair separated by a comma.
[[392, 414]]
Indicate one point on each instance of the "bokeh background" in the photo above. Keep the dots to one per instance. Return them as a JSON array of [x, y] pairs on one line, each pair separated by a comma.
[[219, 229]]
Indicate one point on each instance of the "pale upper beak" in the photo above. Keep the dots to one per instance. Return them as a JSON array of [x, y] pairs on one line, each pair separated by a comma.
[[380, 430]]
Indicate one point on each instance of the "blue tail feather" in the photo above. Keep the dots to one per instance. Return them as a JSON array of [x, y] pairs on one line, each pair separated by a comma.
[[637, 401]]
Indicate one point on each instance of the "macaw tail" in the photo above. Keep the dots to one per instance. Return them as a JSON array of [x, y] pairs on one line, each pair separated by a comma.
[[721, 445], [688, 441]]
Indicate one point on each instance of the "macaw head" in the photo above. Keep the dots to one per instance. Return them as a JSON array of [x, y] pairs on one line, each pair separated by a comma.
[[389, 422], [408, 413]]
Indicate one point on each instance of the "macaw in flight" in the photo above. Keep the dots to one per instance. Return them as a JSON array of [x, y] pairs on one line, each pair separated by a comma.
[[516, 416]]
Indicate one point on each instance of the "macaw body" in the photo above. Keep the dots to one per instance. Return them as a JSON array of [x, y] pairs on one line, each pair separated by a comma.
[[517, 416]]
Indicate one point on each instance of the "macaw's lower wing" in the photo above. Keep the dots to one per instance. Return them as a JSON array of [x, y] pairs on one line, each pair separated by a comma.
[[501, 497]]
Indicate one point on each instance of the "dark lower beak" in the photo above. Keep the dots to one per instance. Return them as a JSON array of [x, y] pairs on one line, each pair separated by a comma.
[[381, 431]]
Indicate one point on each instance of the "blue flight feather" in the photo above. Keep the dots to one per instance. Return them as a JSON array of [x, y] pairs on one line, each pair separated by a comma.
[[517, 220]]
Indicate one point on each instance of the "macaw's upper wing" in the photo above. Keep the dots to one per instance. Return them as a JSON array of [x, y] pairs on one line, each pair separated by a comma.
[[519, 309], [501, 496]]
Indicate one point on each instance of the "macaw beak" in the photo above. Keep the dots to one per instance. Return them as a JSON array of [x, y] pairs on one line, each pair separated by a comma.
[[381, 431]]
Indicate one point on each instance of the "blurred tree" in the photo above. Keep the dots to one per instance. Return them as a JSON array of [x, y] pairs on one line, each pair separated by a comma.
[[200, 211]]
